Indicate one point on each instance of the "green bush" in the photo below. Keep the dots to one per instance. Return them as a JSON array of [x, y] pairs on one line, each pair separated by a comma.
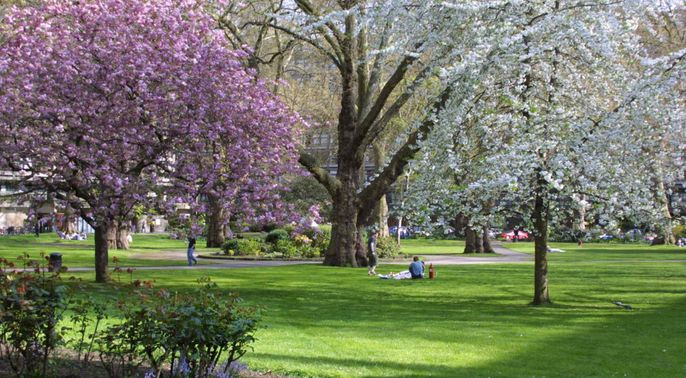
[[31, 305], [679, 231], [187, 332], [321, 239], [230, 247], [249, 247], [290, 228], [387, 247], [286, 248], [275, 235], [243, 247]]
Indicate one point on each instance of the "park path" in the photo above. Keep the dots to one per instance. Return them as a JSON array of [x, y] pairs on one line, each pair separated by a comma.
[[504, 255]]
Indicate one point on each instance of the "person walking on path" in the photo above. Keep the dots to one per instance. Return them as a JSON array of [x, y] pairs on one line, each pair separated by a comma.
[[371, 253], [189, 253]]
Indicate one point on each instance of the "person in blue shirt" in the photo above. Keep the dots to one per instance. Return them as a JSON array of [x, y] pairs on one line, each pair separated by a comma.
[[416, 268]]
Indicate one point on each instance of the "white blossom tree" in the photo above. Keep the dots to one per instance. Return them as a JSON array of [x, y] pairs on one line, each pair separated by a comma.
[[566, 95]]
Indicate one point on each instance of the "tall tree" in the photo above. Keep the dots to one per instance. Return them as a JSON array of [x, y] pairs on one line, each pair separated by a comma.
[[384, 53]]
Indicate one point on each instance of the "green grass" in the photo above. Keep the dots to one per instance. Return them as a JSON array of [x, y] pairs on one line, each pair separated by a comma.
[[81, 253], [593, 252], [431, 247], [474, 320]]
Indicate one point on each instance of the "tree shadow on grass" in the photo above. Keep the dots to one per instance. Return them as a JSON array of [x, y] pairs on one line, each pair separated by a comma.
[[392, 369]]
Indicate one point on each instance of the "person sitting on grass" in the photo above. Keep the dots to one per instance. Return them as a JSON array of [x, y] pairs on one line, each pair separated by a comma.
[[416, 268]]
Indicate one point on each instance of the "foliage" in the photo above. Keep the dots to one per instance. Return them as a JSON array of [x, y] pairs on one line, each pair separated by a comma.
[[230, 247], [287, 248], [190, 332], [243, 247], [83, 311], [387, 247], [275, 235], [31, 305], [305, 192], [679, 231], [321, 239]]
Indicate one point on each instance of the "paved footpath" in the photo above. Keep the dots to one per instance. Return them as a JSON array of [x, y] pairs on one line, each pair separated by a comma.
[[503, 256]]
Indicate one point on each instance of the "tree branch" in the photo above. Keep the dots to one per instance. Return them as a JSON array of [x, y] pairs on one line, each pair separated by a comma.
[[320, 174], [379, 126], [383, 96], [395, 168]]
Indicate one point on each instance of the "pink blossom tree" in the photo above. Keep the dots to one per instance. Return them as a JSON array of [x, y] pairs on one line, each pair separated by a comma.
[[101, 102]]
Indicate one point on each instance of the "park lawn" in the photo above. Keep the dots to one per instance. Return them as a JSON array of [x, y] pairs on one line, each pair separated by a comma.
[[592, 252], [81, 253], [474, 320], [431, 247]]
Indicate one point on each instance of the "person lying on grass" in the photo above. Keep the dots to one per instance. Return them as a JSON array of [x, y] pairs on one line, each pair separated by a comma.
[[404, 275]]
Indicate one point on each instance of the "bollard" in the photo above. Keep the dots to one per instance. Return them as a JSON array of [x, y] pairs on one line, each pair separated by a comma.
[[55, 262]]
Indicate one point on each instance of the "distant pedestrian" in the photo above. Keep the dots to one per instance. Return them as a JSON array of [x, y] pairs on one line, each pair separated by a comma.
[[371, 253], [189, 253], [515, 234]]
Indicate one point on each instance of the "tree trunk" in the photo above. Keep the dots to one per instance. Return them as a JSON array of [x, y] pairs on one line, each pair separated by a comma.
[[102, 232], [400, 225], [381, 209], [342, 248], [461, 225], [361, 247], [663, 201], [381, 217], [478, 241], [123, 232], [111, 235], [486, 241], [216, 227], [540, 218], [68, 223], [470, 240]]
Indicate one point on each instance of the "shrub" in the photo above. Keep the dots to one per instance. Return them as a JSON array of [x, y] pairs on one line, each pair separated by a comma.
[[249, 247], [679, 231], [387, 247], [269, 227], [243, 247], [188, 332], [230, 247], [290, 228], [31, 305], [286, 248], [275, 235], [321, 239]]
